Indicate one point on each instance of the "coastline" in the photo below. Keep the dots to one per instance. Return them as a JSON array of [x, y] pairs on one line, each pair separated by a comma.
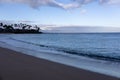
[[97, 66], [18, 66]]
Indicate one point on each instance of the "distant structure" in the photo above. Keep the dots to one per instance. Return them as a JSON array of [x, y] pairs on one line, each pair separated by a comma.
[[19, 28]]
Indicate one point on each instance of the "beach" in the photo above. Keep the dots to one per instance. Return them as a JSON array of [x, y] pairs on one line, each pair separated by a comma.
[[18, 66]]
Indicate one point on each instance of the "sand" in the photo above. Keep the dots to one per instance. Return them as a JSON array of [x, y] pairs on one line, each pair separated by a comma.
[[18, 66]]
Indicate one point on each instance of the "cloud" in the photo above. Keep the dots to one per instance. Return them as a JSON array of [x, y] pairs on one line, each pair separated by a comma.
[[56, 3], [110, 1], [83, 11], [26, 21]]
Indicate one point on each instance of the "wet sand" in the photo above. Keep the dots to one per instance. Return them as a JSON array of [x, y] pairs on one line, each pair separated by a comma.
[[18, 66]]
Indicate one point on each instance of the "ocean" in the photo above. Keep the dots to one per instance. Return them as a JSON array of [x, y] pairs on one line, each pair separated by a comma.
[[98, 52]]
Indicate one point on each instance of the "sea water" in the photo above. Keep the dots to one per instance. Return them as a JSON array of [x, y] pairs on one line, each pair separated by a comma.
[[98, 52]]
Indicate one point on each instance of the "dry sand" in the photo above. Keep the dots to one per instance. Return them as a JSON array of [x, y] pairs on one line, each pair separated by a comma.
[[18, 66]]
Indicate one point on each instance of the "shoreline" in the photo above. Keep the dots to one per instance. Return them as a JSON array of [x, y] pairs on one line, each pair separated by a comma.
[[18, 66]]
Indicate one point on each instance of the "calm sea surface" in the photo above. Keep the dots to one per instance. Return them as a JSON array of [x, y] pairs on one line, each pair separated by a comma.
[[98, 46], [98, 52]]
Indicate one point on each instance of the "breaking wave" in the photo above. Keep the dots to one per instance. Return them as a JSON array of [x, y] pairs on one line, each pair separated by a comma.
[[81, 52]]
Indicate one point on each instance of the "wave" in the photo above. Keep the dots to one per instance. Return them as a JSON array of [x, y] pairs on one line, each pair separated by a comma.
[[74, 52]]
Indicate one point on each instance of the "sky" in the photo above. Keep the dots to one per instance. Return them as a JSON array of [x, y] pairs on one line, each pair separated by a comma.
[[62, 12]]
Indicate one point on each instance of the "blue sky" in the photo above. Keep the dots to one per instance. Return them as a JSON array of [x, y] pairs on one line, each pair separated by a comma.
[[91, 14]]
